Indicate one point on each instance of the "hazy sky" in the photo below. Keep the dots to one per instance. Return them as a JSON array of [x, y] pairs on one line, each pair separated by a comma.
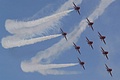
[[32, 47]]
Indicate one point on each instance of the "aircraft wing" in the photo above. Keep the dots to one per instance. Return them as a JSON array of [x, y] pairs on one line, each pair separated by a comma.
[[92, 27], [61, 30], [91, 46], [83, 67], [79, 60], [99, 34], [106, 56], [104, 41], [110, 73], [78, 12], [79, 51], [74, 44], [106, 66], [87, 39], [102, 49], [74, 4], [88, 20], [65, 38]]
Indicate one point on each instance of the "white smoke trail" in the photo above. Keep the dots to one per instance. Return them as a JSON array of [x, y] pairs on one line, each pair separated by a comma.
[[99, 11], [14, 41], [57, 48], [46, 68], [31, 27]]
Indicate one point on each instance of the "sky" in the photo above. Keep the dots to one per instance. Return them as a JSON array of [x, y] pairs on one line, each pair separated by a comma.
[[32, 47]]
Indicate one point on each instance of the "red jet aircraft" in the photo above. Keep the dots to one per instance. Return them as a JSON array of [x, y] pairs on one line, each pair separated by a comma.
[[77, 47], [89, 42], [81, 63], [102, 38], [77, 8], [90, 23], [109, 69], [64, 34], [104, 52]]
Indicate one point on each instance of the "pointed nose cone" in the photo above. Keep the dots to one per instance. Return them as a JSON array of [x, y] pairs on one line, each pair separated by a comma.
[[109, 70], [104, 37], [91, 23], [91, 42], [64, 34], [77, 8], [106, 52], [82, 63], [78, 47]]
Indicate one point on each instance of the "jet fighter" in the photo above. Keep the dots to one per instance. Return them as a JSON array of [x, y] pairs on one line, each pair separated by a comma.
[[104, 52], [102, 38], [109, 69], [90, 23], [81, 63], [64, 34], [77, 8], [77, 47], [89, 42]]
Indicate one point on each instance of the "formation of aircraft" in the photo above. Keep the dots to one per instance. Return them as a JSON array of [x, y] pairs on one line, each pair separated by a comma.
[[90, 23], [64, 34], [104, 52], [77, 8], [109, 69], [89, 42], [77, 47], [102, 37], [81, 63]]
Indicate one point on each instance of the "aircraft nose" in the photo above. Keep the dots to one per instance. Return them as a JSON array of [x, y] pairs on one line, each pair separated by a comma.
[[77, 47], [109, 70], [106, 52], [82, 63], [91, 42], [91, 23], [64, 33]]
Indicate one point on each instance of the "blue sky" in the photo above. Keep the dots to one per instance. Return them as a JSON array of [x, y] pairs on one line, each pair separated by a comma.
[[27, 10]]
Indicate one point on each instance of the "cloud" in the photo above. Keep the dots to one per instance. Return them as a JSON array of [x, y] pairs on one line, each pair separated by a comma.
[[52, 52]]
